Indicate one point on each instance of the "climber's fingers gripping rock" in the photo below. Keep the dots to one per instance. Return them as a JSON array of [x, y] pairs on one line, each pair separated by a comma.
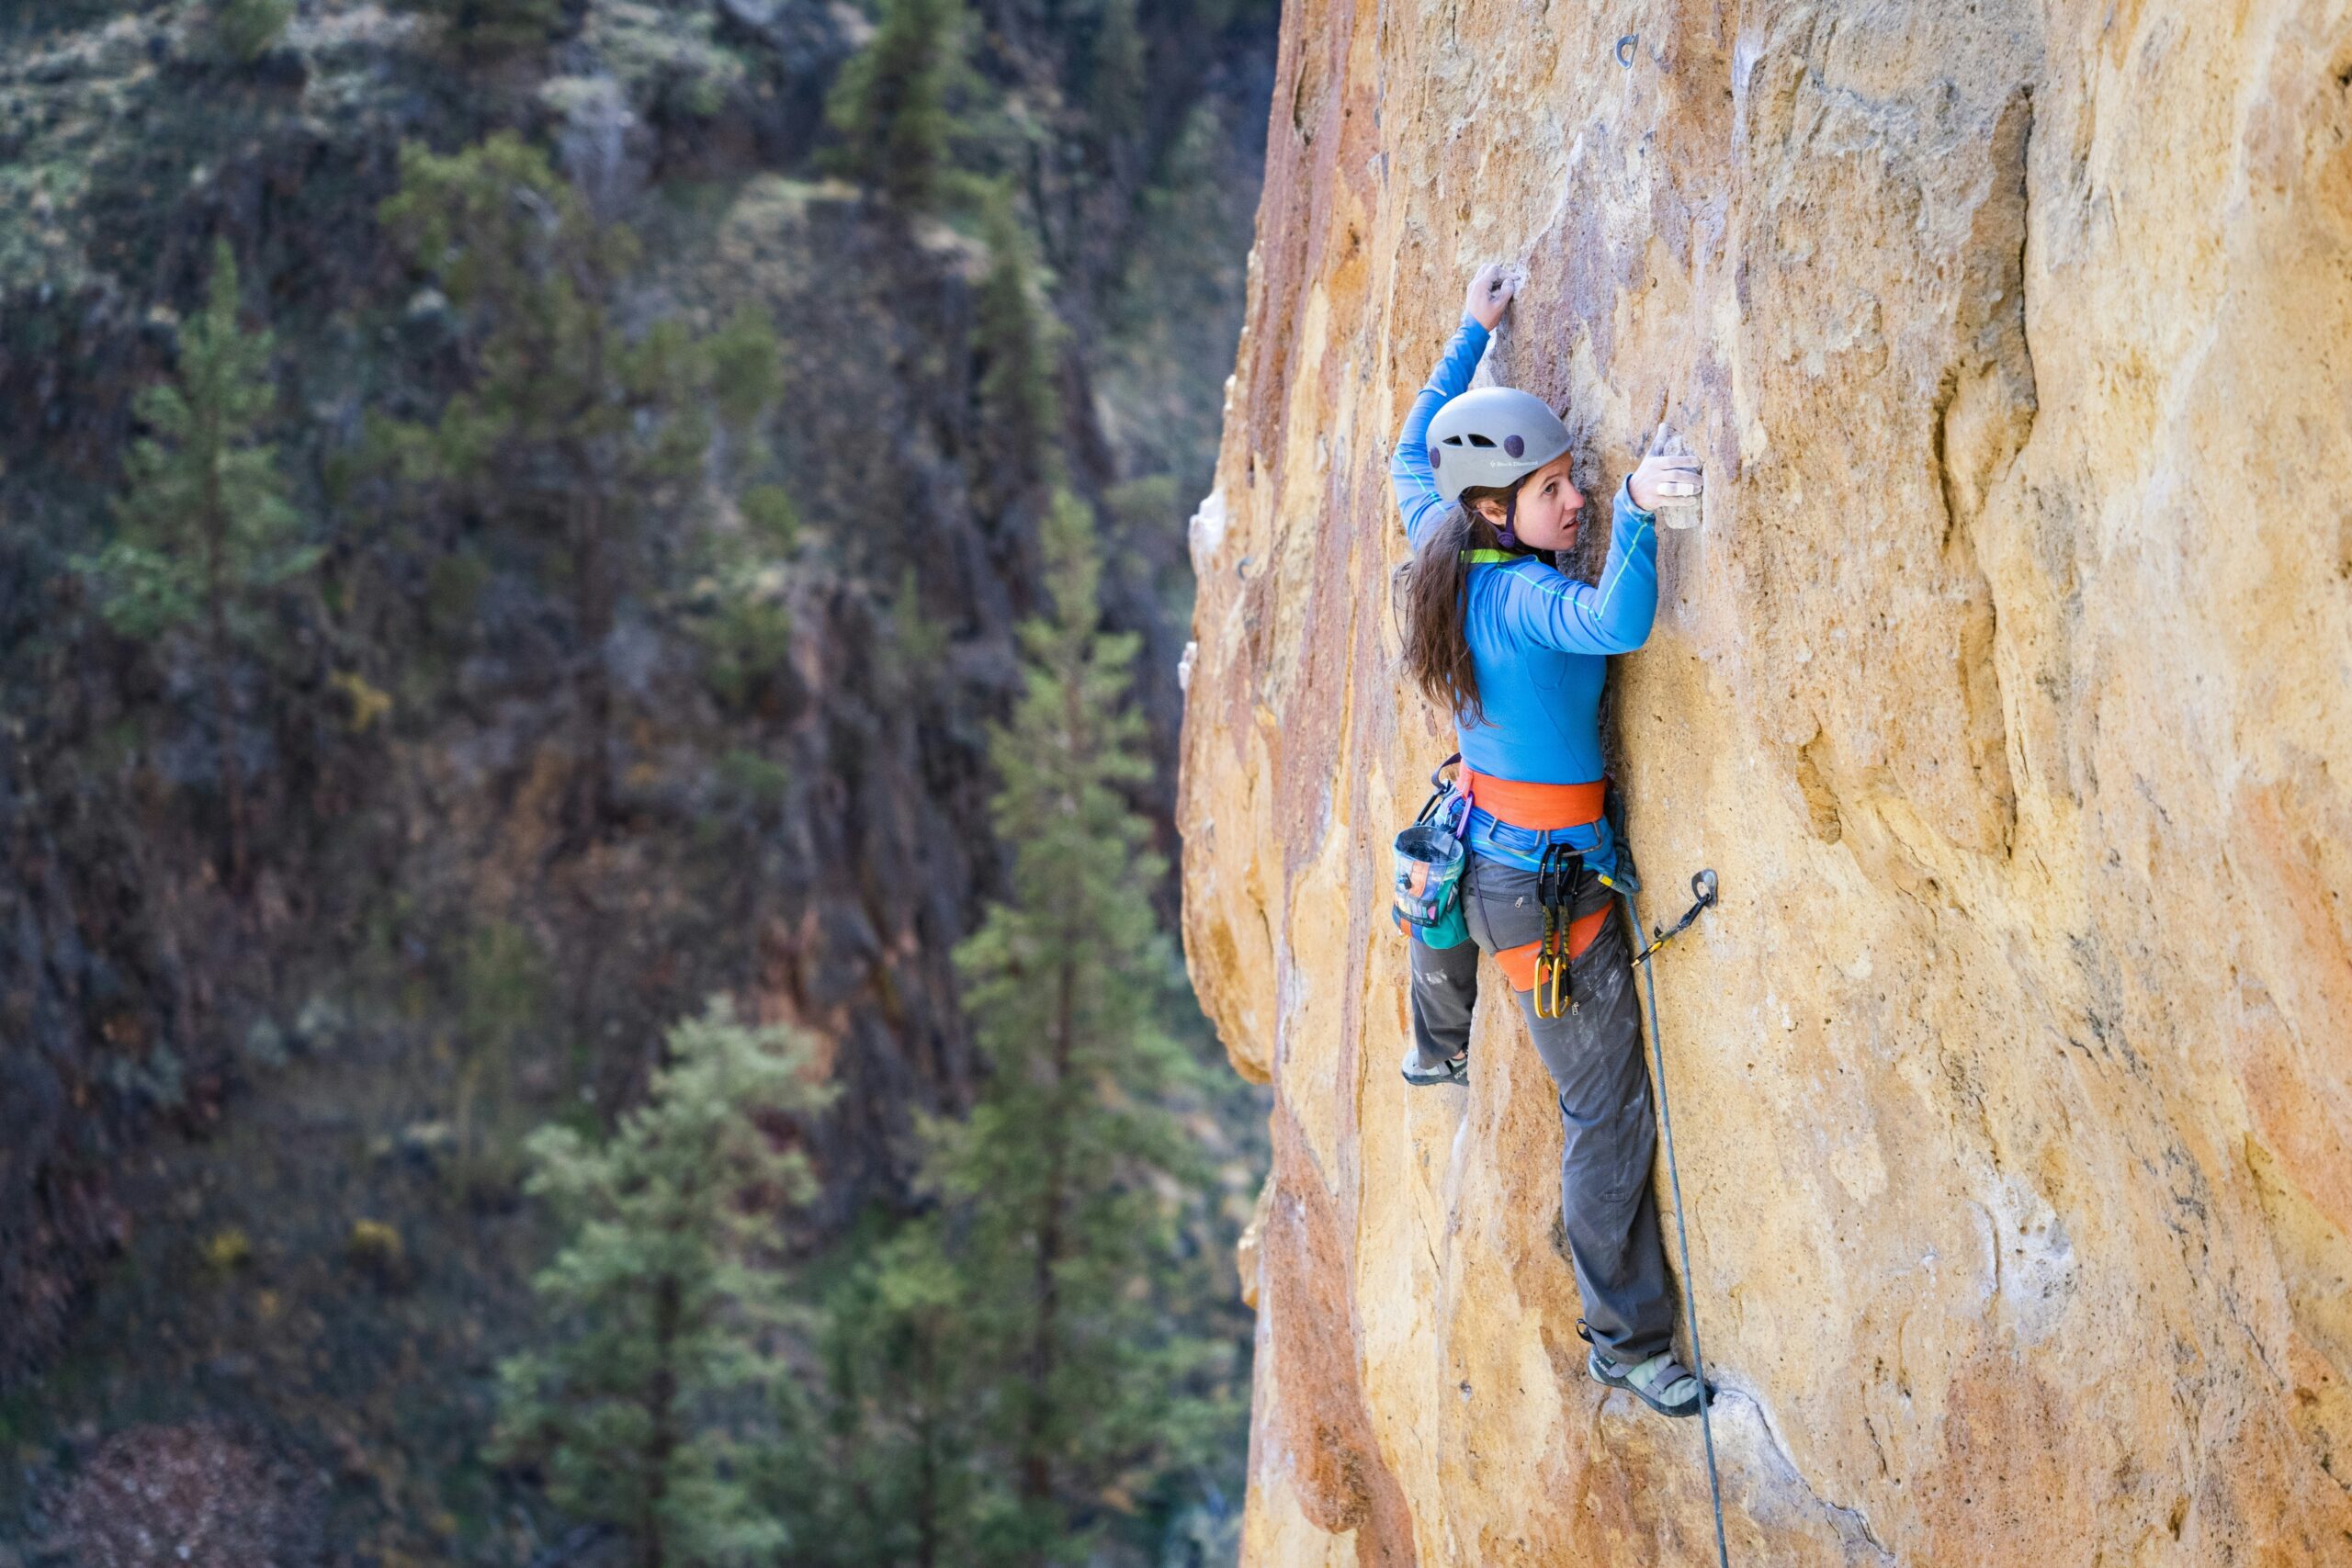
[[1491, 288], [1668, 473]]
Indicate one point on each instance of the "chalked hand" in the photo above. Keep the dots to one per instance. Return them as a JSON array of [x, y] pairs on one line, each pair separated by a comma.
[[1490, 291], [1670, 474]]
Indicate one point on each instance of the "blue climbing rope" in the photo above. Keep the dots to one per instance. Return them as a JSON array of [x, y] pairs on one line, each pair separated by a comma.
[[1703, 886]]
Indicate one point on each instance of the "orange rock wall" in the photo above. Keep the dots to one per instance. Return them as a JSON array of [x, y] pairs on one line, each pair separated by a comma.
[[2006, 686]]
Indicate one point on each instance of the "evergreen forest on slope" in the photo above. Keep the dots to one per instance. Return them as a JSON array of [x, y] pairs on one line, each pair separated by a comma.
[[590, 597]]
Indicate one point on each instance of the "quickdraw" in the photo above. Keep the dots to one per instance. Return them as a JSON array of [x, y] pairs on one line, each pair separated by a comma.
[[1702, 888], [1555, 885]]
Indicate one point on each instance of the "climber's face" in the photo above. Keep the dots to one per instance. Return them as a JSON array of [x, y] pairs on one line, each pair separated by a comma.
[[1550, 508]]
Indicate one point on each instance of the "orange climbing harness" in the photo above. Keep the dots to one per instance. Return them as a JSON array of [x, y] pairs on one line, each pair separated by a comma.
[[1541, 965]]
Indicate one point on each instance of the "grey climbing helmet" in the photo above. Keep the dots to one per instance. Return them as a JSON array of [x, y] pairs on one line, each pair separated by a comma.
[[1494, 436]]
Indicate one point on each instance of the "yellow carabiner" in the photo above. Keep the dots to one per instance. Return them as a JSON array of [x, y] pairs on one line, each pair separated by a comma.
[[1552, 955], [1548, 1004]]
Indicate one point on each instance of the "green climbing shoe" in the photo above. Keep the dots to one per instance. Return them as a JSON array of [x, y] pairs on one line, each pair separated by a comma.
[[1659, 1382], [1457, 1069]]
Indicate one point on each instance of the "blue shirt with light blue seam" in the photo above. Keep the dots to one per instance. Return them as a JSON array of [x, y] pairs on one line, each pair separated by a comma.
[[1539, 638]]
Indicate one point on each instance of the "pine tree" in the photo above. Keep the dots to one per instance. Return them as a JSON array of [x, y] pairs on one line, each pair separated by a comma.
[[890, 103], [900, 1476], [1013, 337], [1116, 90], [571, 430], [652, 1408], [1064, 1185], [205, 531]]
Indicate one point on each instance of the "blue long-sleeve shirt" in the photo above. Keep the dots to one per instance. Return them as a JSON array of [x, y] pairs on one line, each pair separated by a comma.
[[1539, 638]]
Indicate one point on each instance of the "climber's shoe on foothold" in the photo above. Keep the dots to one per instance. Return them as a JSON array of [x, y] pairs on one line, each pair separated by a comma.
[[1457, 1069], [1659, 1382]]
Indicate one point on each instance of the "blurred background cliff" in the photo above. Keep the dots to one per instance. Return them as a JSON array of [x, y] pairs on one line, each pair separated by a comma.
[[517, 744]]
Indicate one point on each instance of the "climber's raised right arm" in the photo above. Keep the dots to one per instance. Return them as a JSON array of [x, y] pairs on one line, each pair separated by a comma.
[[1409, 474]]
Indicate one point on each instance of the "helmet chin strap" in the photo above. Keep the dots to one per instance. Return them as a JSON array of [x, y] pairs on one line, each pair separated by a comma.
[[1509, 535]]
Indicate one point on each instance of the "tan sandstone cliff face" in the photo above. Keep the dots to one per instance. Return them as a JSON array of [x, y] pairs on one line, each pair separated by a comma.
[[2006, 687]]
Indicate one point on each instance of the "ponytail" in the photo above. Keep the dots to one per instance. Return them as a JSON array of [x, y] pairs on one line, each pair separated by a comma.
[[1436, 600]]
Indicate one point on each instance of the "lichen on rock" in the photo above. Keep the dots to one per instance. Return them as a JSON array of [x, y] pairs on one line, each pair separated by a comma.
[[2006, 687]]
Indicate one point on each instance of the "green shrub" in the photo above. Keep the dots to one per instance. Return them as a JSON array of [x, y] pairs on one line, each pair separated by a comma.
[[245, 29], [495, 27]]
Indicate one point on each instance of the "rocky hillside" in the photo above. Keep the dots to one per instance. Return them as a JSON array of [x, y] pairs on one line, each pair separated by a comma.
[[508, 806], [2006, 687]]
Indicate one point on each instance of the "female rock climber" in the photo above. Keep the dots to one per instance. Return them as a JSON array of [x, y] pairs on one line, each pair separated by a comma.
[[1518, 650]]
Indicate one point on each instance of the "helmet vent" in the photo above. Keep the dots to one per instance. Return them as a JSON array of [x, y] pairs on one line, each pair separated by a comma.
[[1477, 440], [1454, 441]]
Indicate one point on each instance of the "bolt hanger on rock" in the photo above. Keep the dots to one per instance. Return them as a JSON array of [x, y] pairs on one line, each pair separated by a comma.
[[1703, 889]]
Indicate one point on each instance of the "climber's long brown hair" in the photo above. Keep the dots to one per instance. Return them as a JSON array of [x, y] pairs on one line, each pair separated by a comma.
[[1437, 596]]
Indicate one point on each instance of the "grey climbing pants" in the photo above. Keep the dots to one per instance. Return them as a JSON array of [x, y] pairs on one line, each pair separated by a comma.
[[1594, 1055]]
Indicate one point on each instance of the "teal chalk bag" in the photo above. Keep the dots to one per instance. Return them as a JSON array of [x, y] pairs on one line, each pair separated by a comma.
[[1427, 895]]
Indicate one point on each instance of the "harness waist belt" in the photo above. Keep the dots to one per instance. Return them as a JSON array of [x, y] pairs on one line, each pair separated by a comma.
[[1540, 807]]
